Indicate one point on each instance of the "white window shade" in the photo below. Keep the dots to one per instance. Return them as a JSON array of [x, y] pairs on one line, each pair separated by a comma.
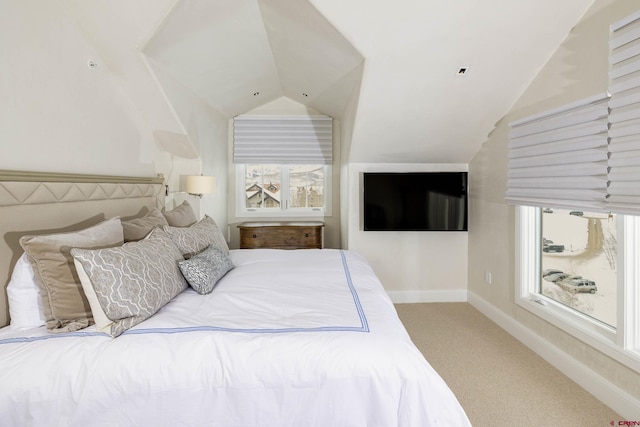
[[283, 139], [559, 158], [624, 148]]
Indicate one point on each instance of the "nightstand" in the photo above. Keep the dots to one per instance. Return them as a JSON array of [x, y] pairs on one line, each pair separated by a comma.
[[281, 235]]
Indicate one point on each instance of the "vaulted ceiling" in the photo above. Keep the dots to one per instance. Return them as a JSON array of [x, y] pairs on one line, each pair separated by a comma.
[[238, 55], [391, 69]]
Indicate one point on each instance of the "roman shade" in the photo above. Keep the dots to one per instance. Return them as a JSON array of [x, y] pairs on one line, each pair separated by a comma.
[[558, 158], [283, 139], [624, 118], [585, 154]]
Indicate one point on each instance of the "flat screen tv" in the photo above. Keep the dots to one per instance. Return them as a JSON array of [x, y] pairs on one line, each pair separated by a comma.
[[415, 201]]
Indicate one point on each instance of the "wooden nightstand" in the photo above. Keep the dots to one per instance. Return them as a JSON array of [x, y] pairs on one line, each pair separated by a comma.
[[281, 235]]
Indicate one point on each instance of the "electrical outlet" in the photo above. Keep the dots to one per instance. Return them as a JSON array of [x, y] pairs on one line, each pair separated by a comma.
[[487, 277]]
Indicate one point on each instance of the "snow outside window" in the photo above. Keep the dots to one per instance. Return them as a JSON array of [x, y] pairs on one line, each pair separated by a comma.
[[579, 270], [282, 190]]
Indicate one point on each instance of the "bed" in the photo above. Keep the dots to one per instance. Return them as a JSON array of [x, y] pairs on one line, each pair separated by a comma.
[[283, 338]]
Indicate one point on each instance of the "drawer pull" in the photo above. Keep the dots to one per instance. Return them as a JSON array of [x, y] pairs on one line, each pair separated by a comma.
[[254, 236], [306, 234]]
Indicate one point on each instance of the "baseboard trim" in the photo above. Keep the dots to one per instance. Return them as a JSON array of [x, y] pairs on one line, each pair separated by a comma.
[[617, 399], [400, 297]]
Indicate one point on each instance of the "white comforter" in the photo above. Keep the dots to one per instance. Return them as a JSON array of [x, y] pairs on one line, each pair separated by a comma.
[[287, 338]]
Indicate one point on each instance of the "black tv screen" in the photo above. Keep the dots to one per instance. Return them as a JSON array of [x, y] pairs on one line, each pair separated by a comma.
[[415, 201]]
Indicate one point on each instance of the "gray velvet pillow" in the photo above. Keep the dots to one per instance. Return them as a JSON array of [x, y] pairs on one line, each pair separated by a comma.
[[135, 280], [198, 237], [181, 216], [205, 269], [64, 303], [138, 228]]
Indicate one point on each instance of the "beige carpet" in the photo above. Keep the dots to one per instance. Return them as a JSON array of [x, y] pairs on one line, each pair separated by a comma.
[[497, 380]]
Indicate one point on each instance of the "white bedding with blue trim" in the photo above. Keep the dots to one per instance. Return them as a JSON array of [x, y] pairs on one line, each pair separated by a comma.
[[287, 338]]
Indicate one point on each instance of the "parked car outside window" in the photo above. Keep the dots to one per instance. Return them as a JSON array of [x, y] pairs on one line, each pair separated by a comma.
[[579, 286]]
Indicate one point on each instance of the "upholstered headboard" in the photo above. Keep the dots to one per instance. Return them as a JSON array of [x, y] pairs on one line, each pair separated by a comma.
[[41, 203]]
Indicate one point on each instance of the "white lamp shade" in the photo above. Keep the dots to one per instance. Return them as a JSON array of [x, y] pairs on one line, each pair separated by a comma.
[[200, 184]]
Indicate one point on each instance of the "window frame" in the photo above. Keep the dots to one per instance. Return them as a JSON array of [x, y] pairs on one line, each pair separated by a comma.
[[621, 343], [285, 210]]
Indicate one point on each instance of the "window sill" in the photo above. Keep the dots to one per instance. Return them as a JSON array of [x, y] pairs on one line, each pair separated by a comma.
[[593, 333], [303, 213]]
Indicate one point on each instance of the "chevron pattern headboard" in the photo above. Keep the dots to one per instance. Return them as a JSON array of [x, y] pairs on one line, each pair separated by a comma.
[[40, 203]]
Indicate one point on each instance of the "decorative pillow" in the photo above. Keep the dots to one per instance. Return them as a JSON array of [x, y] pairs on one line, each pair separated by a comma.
[[64, 304], [181, 216], [135, 280], [25, 307], [203, 270], [198, 237], [139, 228], [103, 323]]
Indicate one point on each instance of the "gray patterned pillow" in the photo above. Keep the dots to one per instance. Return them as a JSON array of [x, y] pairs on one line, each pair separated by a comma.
[[193, 240], [203, 270], [135, 280]]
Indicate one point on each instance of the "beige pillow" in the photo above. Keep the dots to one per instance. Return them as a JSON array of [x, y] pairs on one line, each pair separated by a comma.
[[139, 228], [181, 216], [132, 281], [193, 240], [64, 303]]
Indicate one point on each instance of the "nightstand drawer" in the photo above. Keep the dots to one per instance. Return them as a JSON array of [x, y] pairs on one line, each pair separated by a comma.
[[281, 235]]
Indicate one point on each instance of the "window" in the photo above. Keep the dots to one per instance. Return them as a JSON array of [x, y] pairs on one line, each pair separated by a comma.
[[262, 185], [565, 166], [306, 186], [579, 262], [562, 255], [283, 190], [283, 165]]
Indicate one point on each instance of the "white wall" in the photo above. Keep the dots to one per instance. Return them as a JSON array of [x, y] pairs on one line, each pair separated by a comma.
[[201, 148], [578, 69], [213, 151], [57, 114], [413, 266]]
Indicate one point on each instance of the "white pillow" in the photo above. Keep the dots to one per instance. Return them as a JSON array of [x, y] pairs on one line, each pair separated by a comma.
[[25, 305]]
